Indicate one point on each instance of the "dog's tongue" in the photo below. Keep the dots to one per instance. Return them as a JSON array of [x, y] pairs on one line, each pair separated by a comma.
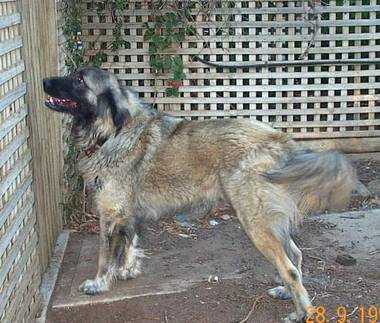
[[63, 102]]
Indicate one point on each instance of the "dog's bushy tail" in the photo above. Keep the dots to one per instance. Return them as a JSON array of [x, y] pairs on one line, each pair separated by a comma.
[[316, 181]]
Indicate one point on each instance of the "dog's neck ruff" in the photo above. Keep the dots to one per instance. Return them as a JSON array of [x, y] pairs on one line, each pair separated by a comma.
[[99, 155]]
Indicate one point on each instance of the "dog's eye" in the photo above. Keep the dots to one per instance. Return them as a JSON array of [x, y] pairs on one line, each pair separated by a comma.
[[80, 79]]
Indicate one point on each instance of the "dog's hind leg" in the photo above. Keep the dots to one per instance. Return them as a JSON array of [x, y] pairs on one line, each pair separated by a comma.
[[295, 254], [129, 265], [275, 253], [110, 244], [265, 212]]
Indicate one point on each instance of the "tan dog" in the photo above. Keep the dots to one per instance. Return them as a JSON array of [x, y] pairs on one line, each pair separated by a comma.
[[144, 164]]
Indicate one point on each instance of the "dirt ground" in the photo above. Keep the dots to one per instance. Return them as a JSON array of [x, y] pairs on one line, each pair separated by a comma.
[[225, 248]]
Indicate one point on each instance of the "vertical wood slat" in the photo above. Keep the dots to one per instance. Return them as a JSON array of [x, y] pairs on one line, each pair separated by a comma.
[[17, 221], [24, 241], [41, 60], [31, 160]]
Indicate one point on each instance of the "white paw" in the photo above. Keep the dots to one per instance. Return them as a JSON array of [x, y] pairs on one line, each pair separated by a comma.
[[93, 286], [293, 318], [279, 292]]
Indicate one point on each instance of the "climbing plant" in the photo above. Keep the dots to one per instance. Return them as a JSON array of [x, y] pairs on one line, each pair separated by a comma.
[[72, 31], [169, 26], [171, 22], [165, 30]]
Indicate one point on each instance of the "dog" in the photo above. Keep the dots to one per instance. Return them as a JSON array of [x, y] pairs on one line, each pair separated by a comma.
[[143, 164]]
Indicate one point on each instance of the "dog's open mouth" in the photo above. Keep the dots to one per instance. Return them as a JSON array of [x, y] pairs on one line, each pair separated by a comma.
[[54, 102]]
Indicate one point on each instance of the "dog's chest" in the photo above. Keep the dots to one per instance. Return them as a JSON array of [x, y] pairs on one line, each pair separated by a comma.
[[112, 194]]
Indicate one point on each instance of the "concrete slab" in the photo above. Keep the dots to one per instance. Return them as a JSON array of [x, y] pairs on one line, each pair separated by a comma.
[[168, 270], [49, 278], [356, 233]]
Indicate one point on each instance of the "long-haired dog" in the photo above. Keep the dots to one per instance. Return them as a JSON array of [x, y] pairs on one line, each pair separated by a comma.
[[143, 163]]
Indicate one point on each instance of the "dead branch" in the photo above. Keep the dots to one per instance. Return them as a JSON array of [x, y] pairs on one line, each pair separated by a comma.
[[252, 308]]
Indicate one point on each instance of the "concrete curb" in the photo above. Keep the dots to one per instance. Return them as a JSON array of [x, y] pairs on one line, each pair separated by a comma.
[[49, 278], [360, 156], [170, 288]]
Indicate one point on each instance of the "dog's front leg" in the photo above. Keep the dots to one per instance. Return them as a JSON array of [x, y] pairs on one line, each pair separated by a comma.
[[110, 243]]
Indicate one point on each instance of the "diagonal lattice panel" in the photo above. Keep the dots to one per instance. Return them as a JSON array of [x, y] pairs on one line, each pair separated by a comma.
[[322, 100]]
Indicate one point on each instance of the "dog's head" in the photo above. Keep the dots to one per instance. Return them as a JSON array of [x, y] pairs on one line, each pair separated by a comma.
[[89, 94]]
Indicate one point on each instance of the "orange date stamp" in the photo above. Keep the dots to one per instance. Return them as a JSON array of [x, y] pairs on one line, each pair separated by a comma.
[[343, 314]]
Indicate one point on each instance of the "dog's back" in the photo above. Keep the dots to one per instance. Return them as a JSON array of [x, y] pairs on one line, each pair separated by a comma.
[[221, 145]]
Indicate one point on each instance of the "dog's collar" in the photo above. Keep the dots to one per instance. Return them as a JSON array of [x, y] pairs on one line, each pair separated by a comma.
[[91, 149]]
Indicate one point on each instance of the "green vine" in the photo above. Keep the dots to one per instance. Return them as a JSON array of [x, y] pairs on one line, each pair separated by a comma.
[[169, 26], [74, 53], [74, 198], [115, 7], [72, 30], [166, 30]]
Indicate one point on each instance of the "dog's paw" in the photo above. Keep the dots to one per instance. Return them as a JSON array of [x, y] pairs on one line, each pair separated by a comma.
[[93, 286], [294, 318], [279, 292], [89, 287]]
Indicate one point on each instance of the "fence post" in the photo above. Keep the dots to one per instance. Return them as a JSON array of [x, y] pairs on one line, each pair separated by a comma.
[[40, 53]]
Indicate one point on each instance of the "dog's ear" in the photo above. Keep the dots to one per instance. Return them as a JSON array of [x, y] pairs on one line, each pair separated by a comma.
[[119, 108]]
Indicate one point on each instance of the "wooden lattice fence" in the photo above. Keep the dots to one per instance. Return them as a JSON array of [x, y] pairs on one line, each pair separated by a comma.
[[320, 100], [30, 155], [19, 263]]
